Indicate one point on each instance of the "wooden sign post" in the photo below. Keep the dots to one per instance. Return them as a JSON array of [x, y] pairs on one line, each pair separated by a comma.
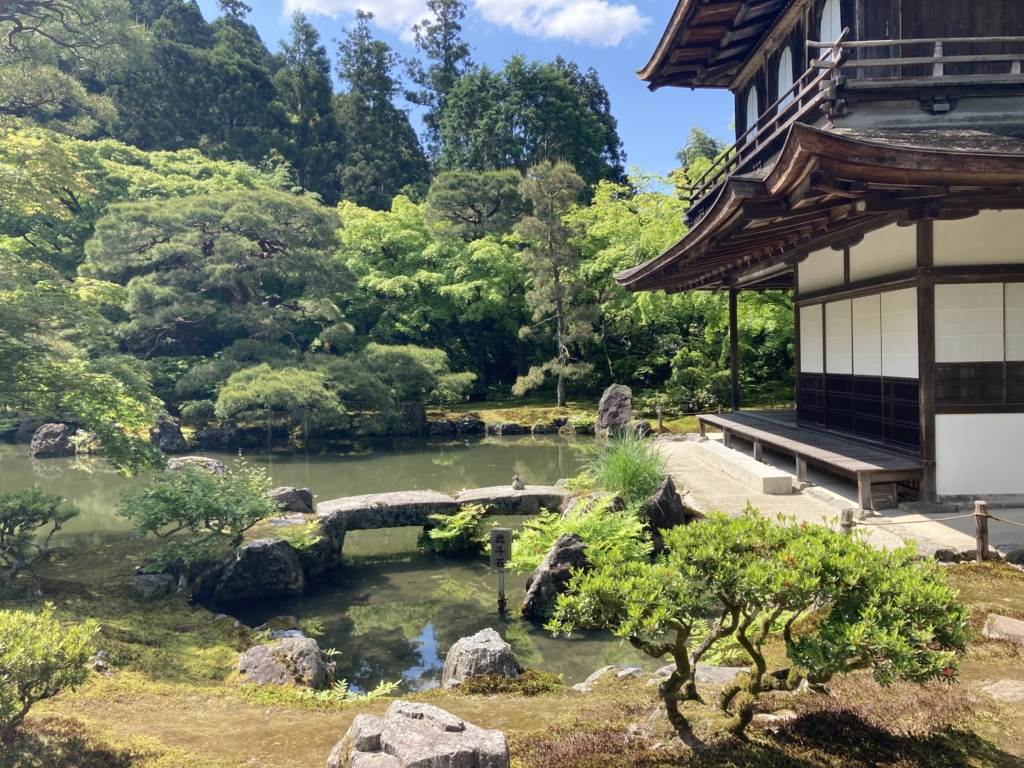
[[501, 550]]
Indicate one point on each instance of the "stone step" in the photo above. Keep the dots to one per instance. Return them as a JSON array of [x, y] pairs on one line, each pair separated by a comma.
[[760, 477]]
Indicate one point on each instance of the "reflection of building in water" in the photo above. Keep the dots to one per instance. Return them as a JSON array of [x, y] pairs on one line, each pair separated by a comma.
[[878, 174]]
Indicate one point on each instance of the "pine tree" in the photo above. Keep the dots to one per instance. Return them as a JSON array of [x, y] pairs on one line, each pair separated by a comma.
[[383, 153]]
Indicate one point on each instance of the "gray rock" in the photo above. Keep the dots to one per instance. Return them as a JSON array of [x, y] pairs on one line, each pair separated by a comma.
[[470, 425], [1004, 628], [1011, 553], [587, 685], [1006, 690], [292, 661], [412, 419], [260, 568], [441, 428], [153, 586], [293, 499], [414, 735], [517, 483], [51, 441], [706, 673], [166, 434], [664, 510], [484, 653], [551, 578], [203, 462], [503, 499], [641, 427], [507, 428], [385, 510], [632, 672], [545, 429], [225, 437], [616, 408]]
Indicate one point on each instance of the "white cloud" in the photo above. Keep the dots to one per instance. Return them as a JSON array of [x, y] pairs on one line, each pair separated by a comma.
[[397, 15], [587, 21]]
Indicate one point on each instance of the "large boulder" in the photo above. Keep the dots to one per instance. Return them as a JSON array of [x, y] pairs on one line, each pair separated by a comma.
[[414, 735], [664, 510], [441, 428], [293, 499], [166, 434], [203, 462], [153, 585], [51, 441], [484, 653], [412, 419], [551, 577], [616, 408], [261, 568], [291, 661], [225, 437], [470, 425]]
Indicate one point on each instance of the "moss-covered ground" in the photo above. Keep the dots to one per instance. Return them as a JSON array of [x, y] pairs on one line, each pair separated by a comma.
[[168, 700]]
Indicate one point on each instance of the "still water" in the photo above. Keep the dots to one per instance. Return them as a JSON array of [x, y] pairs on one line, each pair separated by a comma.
[[391, 611]]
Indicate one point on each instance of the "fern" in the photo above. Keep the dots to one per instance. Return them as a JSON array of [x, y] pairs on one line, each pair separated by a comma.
[[342, 694]]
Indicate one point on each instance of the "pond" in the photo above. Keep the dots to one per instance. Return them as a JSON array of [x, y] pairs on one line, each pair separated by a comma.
[[391, 611]]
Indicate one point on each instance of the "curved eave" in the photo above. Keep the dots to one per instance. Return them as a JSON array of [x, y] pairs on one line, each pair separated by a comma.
[[684, 9], [742, 207]]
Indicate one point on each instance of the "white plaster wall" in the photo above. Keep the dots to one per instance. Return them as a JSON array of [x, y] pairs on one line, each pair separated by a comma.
[[884, 251], [821, 269], [899, 333], [867, 336], [811, 338], [838, 337], [991, 237], [1014, 305], [979, 453], [968, 322]]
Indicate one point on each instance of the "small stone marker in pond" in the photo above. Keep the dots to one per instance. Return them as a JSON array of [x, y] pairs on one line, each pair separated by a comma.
[[418, 735], [484, 653]]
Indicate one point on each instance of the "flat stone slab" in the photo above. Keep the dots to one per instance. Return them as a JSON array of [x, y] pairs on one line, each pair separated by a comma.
[[1004, 628], [505, 500], [386, 510], [1006, 690], [760, 477]]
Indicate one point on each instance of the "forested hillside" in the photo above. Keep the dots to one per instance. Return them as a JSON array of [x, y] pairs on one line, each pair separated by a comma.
[[198, 221]]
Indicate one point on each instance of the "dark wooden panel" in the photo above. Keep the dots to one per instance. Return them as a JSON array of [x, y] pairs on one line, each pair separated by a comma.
[[1015, 382], [812, 399], [969, 383]]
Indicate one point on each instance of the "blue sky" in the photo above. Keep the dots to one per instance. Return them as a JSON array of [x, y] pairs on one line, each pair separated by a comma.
[[616, 37]]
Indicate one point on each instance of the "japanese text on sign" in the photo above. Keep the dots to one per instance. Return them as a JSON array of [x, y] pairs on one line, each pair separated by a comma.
[[501, 547]]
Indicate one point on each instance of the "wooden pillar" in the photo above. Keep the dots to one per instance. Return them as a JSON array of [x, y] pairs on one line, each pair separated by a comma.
[[734, 349], [864, 491], [926, 355]]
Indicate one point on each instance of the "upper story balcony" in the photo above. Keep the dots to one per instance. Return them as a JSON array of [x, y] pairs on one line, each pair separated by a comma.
[[885, 84]]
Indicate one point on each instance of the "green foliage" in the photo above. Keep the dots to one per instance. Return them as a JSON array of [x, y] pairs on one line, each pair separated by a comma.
[[473, 205], [609, 536], [872, 609], [460, 533], [301, 537], [39, 658], [627, 464], [23, 515], [198, 413], [340, 693], [199, 513], [532, 682]]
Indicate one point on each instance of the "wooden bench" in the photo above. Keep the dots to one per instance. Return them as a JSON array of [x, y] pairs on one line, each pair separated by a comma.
[[860, 462]]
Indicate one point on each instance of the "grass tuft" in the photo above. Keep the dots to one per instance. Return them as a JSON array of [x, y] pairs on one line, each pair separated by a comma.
[[629, 465]]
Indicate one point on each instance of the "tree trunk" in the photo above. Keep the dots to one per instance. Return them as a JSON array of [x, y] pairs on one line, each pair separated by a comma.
[[561, 339], [481, 353]]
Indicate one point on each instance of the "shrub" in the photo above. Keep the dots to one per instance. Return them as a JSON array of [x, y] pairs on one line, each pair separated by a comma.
[[23, 515], [38, 659], [610, 536], [627, 464], [872, 609], [460, 533], [197, 413], [197, 512], [531, 682]]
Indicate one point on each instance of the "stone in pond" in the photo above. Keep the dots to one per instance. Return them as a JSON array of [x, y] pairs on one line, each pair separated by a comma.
[[203, 462], [441, 428], [484, 653], [261, 568], [290, 661], [412, 419], [551, 578], [616, 408], [414, 735], [293, 499], [508, 428], [470, 425], [166, 434], [224, 437], [51, 441]]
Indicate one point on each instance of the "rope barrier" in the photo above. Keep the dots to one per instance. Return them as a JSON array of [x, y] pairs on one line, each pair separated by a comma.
[[911, 522], [1010, 522]]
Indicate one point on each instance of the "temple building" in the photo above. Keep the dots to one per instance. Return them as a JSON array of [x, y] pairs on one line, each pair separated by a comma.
[[878, 173]]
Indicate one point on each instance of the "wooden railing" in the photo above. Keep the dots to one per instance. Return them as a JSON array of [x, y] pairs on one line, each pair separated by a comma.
[[818, 89]]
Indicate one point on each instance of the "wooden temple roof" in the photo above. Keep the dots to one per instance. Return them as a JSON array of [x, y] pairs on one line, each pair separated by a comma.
[[826, 189], [707, 41]]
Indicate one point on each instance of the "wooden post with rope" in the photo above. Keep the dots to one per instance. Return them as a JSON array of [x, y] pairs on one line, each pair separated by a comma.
[[981, 529]]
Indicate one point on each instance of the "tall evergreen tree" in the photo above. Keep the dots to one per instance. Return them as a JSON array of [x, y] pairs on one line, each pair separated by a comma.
[[439, 40], [313, 139], [383, 153]]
